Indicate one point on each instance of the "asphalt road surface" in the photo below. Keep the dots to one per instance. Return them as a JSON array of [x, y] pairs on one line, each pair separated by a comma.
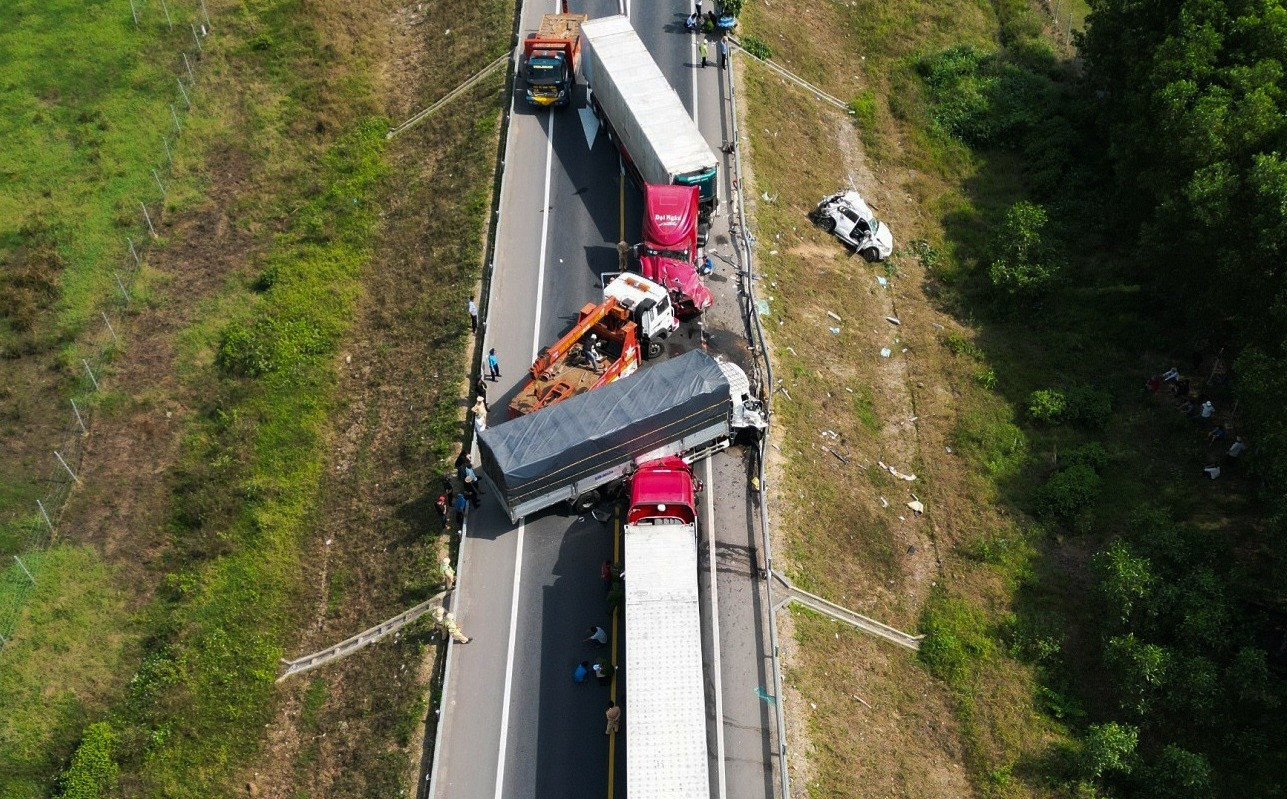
[[514, 724]]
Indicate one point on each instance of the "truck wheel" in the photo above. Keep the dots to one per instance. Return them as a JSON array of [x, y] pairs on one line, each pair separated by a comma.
[[587, 501], [652, 349], [827, 224], [871, 255]]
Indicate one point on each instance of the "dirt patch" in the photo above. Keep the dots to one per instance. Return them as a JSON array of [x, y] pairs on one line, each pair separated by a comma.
[[125, 464]]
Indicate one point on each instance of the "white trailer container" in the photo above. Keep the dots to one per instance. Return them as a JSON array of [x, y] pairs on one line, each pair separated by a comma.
[[666, 756], [660, 141]]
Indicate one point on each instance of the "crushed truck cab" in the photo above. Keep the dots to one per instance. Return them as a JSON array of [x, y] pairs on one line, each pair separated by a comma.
[[672, 233]]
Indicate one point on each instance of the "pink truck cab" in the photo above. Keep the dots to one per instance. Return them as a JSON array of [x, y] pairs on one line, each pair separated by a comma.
[[663, 489], [670, 246]]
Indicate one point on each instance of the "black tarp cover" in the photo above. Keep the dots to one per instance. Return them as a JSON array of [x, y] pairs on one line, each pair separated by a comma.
[[579, 437]]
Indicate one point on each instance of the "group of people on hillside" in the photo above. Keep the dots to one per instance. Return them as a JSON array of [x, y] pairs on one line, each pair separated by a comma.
[[1200, 409]]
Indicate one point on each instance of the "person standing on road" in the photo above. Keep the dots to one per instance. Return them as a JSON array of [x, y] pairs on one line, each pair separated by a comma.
[[613, 715], [460, 505], [473, 315], [596, 634], [605, 574], [449, 625], [448, 573], [493, 364], [723, 52], [703, 50], [581, 672], [480, 415]]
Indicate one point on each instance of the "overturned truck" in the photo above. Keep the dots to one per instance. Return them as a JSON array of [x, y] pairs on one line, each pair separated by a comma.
[[580, 450]]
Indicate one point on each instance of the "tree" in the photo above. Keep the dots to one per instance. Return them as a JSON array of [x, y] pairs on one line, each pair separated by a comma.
[[1140, 670], [1124, 582], [1024, 265], [1179, 774], [1109, 748]]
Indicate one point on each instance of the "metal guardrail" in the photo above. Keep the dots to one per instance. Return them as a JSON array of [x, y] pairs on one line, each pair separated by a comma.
[[796, 79], [420, 116], [843, 614], [747, 246]]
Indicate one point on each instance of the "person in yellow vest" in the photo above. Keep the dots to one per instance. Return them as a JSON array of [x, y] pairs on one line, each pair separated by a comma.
[[449, 626]]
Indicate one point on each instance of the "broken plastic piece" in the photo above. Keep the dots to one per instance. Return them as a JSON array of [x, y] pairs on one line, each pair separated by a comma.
[[835, 331], [885, 352], [834, 316], [893, 320]]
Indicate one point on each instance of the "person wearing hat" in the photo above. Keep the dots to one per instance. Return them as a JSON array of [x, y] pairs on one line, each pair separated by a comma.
[[449, 625], [592, 352], [448, 574], [441, 507]]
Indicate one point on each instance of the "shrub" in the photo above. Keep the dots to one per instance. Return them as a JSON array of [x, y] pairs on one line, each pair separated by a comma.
[[1109, 748], [863, 107], [1024, 263], [1047, 406], [1067, 493], [1180, 774], [1089, 407], [93, 770], [1091, 454], [756, 47]]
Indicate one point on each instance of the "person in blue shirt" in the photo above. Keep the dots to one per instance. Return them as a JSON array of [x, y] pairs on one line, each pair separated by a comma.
[[582, 672], [493, 365], [460, 505]]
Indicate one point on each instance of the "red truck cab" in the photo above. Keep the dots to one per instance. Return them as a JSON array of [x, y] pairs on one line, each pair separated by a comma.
[[663, 489], [670, 246]]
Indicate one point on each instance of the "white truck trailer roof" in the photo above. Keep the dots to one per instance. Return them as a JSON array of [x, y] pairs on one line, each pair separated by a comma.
[[665, 706], [628, 81]]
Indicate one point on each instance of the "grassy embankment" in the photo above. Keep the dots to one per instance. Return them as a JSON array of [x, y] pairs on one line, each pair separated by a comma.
[[874, 717], [289, 104]]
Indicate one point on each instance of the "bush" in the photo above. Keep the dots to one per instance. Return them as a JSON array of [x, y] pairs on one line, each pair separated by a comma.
[[863, 108], [1180, 774], [756, 47], [1047, 406], [1091, 454], [93, 770], [1067, 493], [1024, 262], [1089, 407], [1109, 748]]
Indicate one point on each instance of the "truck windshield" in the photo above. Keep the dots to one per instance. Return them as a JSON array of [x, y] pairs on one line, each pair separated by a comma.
[[677, 255], [544, 71]]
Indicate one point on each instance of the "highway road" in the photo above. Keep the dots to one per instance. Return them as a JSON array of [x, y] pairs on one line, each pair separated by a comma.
[[513, 722]]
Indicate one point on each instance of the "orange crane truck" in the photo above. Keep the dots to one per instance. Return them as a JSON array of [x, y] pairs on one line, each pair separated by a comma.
[[604, 345]]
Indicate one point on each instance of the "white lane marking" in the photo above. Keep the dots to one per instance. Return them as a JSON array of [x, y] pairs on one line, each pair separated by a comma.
[[545, 236], [719, 680], [522, 526], [693, 55], [509, 665], [446, 671]]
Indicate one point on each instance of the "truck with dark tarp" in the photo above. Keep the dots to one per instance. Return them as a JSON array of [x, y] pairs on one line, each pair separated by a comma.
[[580, 450]]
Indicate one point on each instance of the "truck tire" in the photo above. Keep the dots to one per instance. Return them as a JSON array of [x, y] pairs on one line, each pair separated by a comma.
[[827, 224], [871, 255], [651, 349], [587, 501]]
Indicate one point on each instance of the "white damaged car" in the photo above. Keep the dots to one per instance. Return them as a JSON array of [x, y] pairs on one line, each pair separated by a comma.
[[848, 217]]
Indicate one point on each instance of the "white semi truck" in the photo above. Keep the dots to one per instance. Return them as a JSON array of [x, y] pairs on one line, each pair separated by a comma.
[[658, 139], [666, 754]]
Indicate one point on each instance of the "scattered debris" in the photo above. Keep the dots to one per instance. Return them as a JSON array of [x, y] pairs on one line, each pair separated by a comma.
[[885, 352], [949, 450], [832, 434], [916, 505], [881, 280], [911, 549], [937, 325], [884, 503], [908, 477], [762, 307], [793, 352], [893, 320], [835, 331], [834, 316], [839, 457]]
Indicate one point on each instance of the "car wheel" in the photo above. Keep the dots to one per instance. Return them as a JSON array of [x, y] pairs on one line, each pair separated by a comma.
[[652, 349], [828, 224], [871, 255]]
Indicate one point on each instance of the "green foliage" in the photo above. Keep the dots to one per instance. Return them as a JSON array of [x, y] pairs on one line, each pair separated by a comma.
[[960, 345], [756, 47], [1180, 774], [1067, 493], [731, 7], [93, 771], [1088, 407], [1047, 406], [1124, 581], [956, 640], [1141, 671], [1109, 748], [1091, 454], [988, 436], [1024, 263], [863, 109]]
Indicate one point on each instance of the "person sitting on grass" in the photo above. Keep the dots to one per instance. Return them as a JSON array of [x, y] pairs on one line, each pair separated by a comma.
[[1217, 433]]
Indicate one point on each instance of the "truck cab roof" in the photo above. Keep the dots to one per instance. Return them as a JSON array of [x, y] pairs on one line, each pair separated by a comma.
[[663, 490]]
